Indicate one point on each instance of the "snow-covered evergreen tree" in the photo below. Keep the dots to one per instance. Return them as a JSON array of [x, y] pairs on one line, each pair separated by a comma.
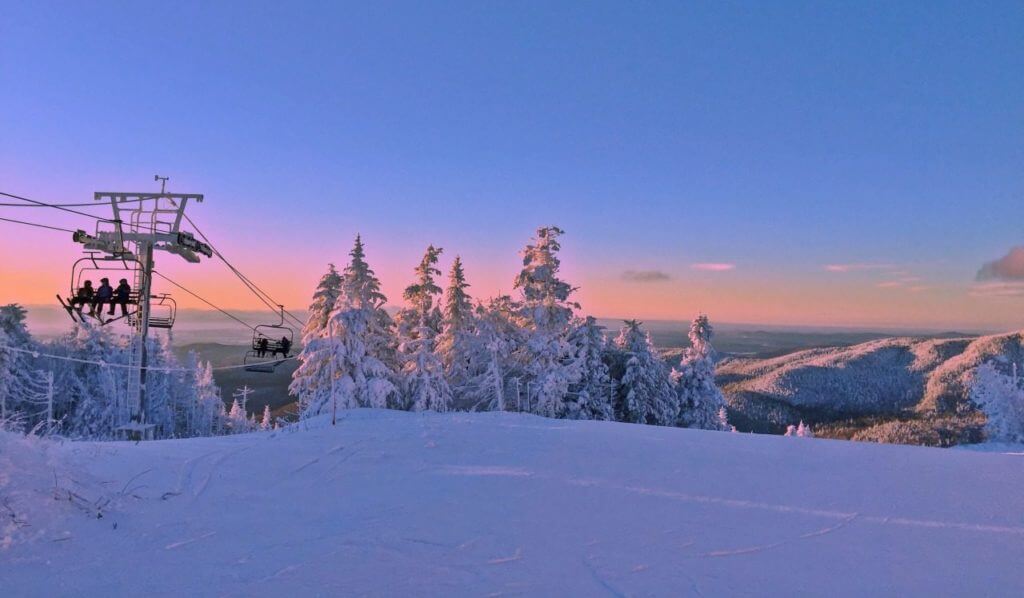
[[359, 347], [90, 400], [593, 391], [455, 340], [425, 384], [210, 415], [645, 394], [1001, 398], [423, 373], [14, 365], [311, 380], [238, 421], [799, 431], [546, 312], [701, 404], [420, 295], [267, 422], [490, 355]]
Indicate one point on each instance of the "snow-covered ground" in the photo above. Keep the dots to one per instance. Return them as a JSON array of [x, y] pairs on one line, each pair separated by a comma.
[[394, 503]]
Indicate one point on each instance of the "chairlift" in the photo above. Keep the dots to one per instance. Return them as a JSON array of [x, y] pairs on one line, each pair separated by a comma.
[[269, 340], [122, 265], [163, 308]]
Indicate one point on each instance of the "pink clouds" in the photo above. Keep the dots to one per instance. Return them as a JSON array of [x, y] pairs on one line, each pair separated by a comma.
[[998, 289], [859, 267], [713, 267], [1008, 267]]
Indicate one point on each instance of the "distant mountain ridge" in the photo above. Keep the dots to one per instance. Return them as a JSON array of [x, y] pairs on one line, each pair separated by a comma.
[[904, 377]]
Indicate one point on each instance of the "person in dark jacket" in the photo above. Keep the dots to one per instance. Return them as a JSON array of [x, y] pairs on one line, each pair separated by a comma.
[[284, 346], [121, 295], [262, 345], [104, 295], [84, 297]]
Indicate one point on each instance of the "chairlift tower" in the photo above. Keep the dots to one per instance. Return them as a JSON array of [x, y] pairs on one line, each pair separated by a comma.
[[143, 223]]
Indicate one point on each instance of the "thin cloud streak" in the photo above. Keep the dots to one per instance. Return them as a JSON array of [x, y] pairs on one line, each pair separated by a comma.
[[713, 267], [645, 276], [857, 267], [998, 289]]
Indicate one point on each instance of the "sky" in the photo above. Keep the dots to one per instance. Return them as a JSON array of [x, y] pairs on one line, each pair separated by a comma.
[[788, 163]]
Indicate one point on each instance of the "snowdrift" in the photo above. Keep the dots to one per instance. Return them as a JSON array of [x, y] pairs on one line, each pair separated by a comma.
[[394, 503]]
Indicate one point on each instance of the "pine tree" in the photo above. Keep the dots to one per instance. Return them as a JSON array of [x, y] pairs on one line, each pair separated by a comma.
[[90, 400], [211, 417], [311, 380], [701, 404], [645, 394], [14, 365], [453, 343], [267, 423], [426, 387], [546, 313], [423, 374], [420, 296], [489, 351], [238, 422], [1001, 398], [593, 392], [360, 345]]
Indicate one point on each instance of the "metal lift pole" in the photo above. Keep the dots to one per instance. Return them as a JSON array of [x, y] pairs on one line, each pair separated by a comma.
[[146, 249]]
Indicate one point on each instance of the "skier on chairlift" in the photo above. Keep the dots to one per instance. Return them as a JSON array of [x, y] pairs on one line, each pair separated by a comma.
[[83, 297], [284, 346], [121, 296], [104, 295]]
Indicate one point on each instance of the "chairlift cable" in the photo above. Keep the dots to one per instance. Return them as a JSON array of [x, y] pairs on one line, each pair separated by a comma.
[[38, 354], [197, 296], [256, 290], [56, 228]]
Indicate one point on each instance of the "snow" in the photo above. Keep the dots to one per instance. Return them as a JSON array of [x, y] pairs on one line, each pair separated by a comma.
[[397, 503]]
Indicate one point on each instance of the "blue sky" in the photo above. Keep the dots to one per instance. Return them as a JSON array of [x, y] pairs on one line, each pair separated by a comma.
[[778, 137]]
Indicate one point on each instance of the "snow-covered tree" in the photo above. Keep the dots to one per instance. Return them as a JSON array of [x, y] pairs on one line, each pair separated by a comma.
[[420, 295], [490, 355], [645, 395], [593, 391], [1001, 398], [311, 380], [701, 404], [238, 421], [454, 341], [90, 400], [546, 312], [425, 384], [360, 344], [210, 415], [802, 430], [14, 365], [423, 373], [267, 422]]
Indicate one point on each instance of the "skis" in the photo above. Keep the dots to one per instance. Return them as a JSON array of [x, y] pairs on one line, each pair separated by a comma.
[[71, 310], [77, 311]]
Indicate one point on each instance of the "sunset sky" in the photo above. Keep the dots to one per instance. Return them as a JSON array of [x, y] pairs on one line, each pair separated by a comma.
[[811, 163]]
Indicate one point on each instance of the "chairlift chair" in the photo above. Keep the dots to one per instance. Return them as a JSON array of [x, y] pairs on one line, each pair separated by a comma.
[[256, 358], [124, 265]]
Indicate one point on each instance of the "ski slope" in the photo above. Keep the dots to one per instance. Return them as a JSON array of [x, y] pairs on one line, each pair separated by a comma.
[[394, 503]]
